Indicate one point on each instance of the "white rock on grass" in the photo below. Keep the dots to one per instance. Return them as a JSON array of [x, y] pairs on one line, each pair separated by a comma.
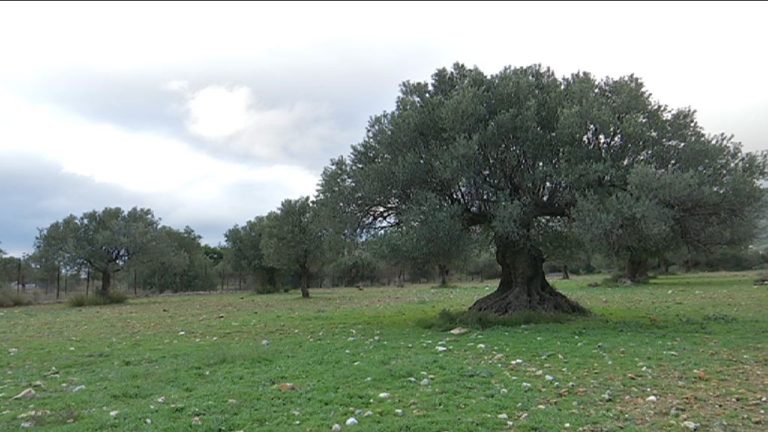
[[368, 413], [503, 416], [441, 349], [351, 421], [526, 386], [690, 425], [114, 413], [651, 399], [426, 382], [384, 395], [78, 388], [399, 412], [336, 428], [26, 394]]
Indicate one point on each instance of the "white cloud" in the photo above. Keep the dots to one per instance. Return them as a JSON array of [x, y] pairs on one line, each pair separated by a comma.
[[217, 112], [231, 121]]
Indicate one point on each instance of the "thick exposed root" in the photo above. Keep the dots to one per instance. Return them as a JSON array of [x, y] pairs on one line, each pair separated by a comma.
[[543, 298]]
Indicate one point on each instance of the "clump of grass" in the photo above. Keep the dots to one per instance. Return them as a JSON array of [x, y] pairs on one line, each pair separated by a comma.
[[447, 319], [11, 299], [113, 297]]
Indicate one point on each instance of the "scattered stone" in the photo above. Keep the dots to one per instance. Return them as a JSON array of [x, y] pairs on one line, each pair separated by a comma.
[[351, 421], [368, 413], [286, 387], [480, 346], [78, 388], [114, 413], [26, 394], [527, 386], [399, 412], [27, 425], [503, 416], [196, 420], [517, 362], [426, 382], [459, 331], [691, 425], [13, 351], [38, 384], [232, 401], [221, 316], [442, 349], [651, 399], [549, 378], [336, 428], [607, 396], [181, 333], [265, 343], [384, 395], [53, 372], [39, 413], [148, 421], [161, 399]]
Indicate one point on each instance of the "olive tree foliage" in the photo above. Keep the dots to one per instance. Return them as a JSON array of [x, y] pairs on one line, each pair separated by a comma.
[[105, 241], [512, 154], [56, 250], [293, 241], [708, 197], [429, 237], [176, 262], [247, 255]]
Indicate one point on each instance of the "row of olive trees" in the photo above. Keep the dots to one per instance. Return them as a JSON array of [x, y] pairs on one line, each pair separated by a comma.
[[103, 244], [307, 240]]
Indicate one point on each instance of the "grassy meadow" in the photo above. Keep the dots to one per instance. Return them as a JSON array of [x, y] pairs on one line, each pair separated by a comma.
[[682, 352]]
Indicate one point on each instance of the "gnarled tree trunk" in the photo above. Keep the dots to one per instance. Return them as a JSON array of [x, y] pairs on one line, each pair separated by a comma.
[[637, 268], [443, 270], [304, 282], [106, 282], [566, 275], [523, 286]]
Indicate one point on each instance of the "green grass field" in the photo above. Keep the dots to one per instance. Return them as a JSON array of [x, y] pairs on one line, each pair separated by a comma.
[[698, 344]]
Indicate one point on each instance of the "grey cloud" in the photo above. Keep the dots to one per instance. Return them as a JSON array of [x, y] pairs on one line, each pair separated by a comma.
[[140, 101], [36, 193]]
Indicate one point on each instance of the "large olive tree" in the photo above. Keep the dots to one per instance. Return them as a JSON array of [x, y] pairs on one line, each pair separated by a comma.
[[511, 153]]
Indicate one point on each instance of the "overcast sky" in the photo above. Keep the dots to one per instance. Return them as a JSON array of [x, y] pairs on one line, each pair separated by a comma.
[[211, 114]]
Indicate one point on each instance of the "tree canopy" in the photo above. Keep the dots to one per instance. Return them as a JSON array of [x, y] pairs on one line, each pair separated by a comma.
[[293, 241], [106, 241]]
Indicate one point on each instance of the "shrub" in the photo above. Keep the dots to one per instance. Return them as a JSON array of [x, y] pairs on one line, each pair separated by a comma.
[[10, 299], [113, 297]]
